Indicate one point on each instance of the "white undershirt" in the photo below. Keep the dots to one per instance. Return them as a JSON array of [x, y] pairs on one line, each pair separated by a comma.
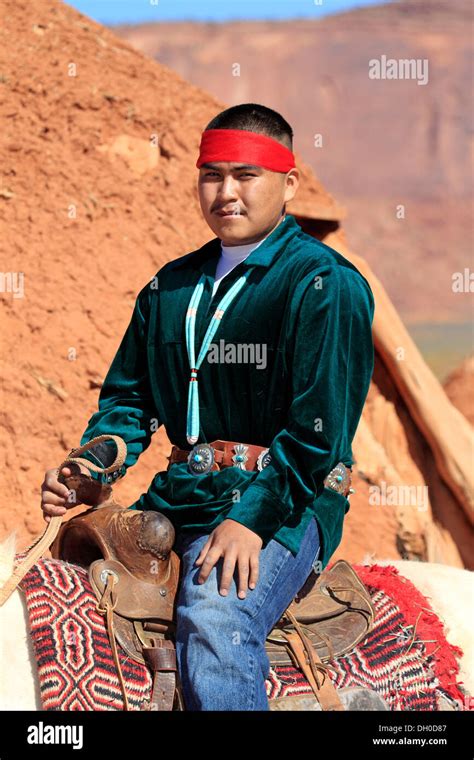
[[231, 255]]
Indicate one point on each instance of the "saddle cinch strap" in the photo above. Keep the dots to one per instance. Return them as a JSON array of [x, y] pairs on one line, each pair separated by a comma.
[[135, 575]]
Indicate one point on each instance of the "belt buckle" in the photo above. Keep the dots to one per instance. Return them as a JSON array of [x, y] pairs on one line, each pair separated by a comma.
[[201, 459], [240, 456]]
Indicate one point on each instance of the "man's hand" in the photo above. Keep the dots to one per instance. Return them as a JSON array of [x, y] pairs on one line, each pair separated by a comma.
[[235, 543], [54, 495]]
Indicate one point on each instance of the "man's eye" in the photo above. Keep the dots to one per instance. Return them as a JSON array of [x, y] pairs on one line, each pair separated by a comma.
[[244, 174]]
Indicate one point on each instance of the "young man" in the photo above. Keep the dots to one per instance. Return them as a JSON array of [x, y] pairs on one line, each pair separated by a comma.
[[261, 419]]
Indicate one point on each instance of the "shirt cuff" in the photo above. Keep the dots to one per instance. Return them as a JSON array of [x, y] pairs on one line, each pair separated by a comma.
[[111, 478], [260, 511]]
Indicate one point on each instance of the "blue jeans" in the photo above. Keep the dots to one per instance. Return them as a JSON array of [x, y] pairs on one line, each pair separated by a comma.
[[220, 640]]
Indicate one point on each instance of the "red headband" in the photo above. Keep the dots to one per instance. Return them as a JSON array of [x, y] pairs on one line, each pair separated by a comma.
[[246, 147]]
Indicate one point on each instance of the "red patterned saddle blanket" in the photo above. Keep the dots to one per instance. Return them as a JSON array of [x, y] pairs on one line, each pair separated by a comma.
[[405, 657]]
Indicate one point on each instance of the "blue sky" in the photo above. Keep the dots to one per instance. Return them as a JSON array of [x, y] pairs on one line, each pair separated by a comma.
[[135, 11]]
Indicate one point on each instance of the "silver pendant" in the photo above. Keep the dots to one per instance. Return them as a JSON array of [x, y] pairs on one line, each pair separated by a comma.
[[240, 456], [263, 459], [201, 459], [339, 478]]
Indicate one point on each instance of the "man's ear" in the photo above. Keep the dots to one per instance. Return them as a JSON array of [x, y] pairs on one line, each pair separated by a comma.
[[292, 188]]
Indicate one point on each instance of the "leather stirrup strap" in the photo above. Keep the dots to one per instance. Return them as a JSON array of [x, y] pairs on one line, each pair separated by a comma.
[[159, 655], [105, 607], [325, 692], [310, 663], [161, 659], [43, 542]]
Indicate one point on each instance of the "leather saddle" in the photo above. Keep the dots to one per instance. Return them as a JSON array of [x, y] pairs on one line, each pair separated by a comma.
[[135, 575]]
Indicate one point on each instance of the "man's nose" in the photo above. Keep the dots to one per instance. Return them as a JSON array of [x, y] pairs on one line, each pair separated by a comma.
[[227, 189]]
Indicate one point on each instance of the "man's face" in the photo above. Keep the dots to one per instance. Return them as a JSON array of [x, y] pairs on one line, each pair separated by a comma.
[[252, 196]]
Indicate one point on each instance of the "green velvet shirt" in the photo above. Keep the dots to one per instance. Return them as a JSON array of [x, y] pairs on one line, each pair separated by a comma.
[[306, 313]]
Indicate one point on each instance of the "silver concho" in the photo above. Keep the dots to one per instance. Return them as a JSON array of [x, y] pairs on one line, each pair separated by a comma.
[[339, 478], [240, 456], [201, 459], [263, 459]]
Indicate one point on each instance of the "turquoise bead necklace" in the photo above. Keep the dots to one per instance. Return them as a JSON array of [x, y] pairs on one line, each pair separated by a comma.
[[192, 422]]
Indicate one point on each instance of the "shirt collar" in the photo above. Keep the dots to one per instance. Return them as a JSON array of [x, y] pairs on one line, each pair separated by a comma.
[[261, 256], [238, 253]]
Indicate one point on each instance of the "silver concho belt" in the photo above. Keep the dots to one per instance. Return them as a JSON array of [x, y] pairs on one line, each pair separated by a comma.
[[201, 460]]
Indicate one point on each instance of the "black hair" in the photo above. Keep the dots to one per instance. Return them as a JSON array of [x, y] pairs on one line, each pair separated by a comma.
[[254, 117]]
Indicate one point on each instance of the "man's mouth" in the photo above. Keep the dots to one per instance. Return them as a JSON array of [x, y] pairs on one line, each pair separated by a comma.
[[229, 213]]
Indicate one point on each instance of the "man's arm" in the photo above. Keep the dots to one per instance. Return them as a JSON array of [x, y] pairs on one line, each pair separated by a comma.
[[331, 358], [126, 406]]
